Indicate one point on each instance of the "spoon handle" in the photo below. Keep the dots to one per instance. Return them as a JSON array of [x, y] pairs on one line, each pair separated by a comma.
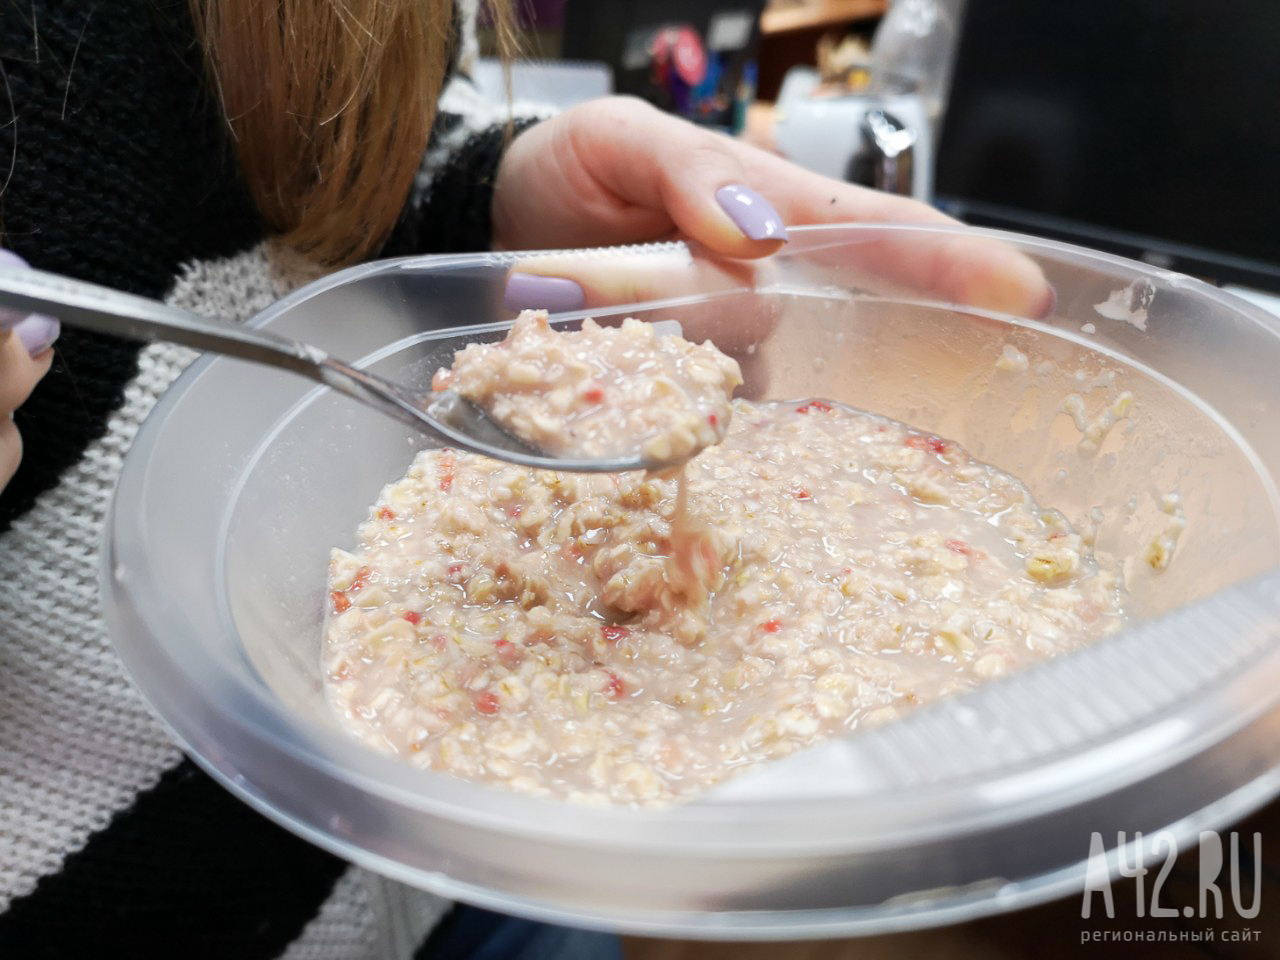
[[103, 310]]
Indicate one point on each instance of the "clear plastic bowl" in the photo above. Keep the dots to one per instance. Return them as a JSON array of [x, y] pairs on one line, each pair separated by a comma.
[[244, 477]]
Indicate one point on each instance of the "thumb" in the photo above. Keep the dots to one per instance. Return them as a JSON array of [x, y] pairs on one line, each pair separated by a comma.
[[704, 189], [693, 176]]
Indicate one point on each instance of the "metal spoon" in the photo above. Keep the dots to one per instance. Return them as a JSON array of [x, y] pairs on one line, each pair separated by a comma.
[[444, 416]]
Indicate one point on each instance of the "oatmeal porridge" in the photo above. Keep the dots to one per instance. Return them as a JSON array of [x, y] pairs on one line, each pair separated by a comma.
[[601, 391], [527, 629]]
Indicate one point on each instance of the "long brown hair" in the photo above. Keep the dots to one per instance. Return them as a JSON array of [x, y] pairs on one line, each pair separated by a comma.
[[330, 104]]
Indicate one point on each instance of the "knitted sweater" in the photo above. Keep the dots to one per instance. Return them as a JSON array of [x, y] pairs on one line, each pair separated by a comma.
[[116, 168]]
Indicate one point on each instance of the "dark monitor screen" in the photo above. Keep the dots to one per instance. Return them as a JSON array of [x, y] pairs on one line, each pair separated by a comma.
[[1149, 127]]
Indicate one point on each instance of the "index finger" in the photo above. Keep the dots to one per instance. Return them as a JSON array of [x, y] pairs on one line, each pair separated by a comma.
[[932, 258], [951, 264]]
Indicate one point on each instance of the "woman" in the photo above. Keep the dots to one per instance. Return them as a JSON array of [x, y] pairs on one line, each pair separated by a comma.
[[218, 153]]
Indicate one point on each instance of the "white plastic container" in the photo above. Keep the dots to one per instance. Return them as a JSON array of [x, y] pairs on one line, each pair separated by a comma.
[[243, 477]]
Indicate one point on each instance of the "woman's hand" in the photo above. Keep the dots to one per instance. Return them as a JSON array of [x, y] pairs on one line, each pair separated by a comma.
[[617, 171], [25, 356]]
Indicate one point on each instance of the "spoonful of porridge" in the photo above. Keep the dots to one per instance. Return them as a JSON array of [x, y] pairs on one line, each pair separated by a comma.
[[622, 394], [538, 399]]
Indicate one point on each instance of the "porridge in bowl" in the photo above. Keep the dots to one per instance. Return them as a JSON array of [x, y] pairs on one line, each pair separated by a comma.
[[528, 629]]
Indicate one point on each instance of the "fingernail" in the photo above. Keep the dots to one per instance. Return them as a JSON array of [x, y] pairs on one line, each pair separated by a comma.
[[527, 291], [9, 318], [753, 214], [10, 259], [37, 333]]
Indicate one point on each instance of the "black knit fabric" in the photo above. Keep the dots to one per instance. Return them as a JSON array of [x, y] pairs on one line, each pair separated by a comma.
[[186, 871], [120, 206], [127, 206]]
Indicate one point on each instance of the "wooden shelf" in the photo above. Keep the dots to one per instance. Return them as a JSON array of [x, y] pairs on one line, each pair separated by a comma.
[[810, 14]]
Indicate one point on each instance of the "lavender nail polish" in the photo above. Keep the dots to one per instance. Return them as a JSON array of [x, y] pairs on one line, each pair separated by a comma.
[[9, 318], [37, 333], [10, 259], [753, 214], [527, 291]]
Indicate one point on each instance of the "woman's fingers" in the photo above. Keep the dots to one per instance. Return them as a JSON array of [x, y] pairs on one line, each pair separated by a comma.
[[565, 282], [654, 161], [959, 267], [617, 171], [604, 282], [25, 357], [10, 450], [19, 373], [650, 160]]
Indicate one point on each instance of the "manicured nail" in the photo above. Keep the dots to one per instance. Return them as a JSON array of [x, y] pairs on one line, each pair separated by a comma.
[[8, 318], [10, 259], [753, 214], [527, 291], [37, 333]]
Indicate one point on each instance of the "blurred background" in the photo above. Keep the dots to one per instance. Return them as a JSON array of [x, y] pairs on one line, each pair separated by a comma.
[[1145, 127]]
